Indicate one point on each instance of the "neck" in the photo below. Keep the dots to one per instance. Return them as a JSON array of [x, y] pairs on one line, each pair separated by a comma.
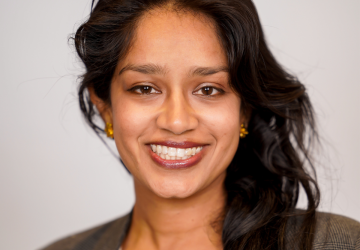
[[178, 223]]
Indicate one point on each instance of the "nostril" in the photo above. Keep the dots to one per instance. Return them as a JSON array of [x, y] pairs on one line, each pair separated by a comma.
[[177, 119]]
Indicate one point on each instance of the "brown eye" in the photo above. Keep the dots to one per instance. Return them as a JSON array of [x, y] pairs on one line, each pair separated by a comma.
[[144, 90], [207, 90]]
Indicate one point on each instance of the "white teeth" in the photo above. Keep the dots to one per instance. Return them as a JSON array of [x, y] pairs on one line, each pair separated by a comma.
[[188, 151], [193, 151], [164, 150], [170, 153], [158, 149], [180, 152], [198, 149]]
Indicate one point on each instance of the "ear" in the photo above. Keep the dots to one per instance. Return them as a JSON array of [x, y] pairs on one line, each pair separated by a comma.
[[245, 116], [101, 106]]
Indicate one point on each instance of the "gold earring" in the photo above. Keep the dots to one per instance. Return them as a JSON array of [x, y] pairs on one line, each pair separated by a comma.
[[243, 131], [109, 130]]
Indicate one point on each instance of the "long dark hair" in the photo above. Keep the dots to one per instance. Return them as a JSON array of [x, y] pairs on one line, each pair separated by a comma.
[[273, 162]]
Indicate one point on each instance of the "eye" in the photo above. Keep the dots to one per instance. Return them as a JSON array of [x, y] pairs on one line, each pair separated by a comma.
[[144, 90], [209, 91]]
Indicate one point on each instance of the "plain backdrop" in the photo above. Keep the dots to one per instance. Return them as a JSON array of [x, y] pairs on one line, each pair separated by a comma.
[[56, 176]]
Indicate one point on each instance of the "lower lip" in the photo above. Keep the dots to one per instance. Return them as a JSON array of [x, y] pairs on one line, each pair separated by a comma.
[[177, 164]]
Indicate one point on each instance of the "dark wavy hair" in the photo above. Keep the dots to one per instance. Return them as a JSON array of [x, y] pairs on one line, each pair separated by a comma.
[[273, 162]]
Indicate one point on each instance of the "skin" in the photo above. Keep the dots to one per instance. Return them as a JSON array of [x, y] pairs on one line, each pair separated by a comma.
[[174, 209]]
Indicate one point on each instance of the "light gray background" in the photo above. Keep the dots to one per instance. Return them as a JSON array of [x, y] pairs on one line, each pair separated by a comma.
[[56, 177]]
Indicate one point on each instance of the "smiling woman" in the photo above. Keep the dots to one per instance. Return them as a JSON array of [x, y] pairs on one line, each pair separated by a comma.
[[216, 135]]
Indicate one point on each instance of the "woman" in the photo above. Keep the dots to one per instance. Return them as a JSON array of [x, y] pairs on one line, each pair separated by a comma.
[[215, 133]]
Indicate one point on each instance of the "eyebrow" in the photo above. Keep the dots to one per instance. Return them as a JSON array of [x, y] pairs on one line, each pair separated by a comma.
[[153, 69], [149, 69], [206, 71]]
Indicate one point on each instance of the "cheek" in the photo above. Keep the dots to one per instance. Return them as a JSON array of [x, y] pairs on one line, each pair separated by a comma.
[[223, 123], [129, 120], [223, 120]]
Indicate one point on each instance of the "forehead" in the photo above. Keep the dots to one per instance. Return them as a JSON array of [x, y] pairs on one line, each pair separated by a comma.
[[172, 38]]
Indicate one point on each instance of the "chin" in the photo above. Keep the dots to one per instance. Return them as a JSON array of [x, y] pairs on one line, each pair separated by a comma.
[[173, 190]]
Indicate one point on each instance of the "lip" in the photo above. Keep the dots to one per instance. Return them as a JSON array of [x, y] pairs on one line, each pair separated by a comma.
[[184, 144], [176, 164]]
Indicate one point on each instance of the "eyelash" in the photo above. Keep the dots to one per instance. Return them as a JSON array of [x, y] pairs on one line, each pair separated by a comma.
[[138, 90], [219, 91]]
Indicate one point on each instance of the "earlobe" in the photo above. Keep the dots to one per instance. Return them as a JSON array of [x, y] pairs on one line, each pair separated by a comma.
[[244, 117], [243, 126], [102, 107]]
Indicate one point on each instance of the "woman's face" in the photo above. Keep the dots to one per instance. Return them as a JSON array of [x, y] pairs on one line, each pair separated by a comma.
[[171, 94]]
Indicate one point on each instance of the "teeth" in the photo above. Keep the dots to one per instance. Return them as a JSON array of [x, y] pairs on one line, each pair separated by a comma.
[[180, 152], [164, 150], [158, 149], [193, 151], [188, 151], [170, 153]]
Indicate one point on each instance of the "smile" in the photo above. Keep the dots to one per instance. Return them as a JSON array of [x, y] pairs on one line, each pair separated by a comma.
[[176, 155], [172, 153]]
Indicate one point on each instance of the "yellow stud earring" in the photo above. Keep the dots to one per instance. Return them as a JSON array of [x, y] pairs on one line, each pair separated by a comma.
[[109, 130], [243, 131]]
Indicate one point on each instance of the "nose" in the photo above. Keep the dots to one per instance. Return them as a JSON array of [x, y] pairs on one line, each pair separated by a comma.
[[177, 116]]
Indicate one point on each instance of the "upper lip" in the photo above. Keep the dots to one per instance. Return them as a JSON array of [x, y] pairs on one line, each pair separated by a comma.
[[183, 144]]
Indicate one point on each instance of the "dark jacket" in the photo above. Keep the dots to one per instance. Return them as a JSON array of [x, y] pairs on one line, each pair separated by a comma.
[[332, 232]]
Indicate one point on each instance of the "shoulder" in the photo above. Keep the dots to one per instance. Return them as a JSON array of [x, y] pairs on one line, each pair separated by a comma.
[[106, 236], [332, 231], [336, 232]]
